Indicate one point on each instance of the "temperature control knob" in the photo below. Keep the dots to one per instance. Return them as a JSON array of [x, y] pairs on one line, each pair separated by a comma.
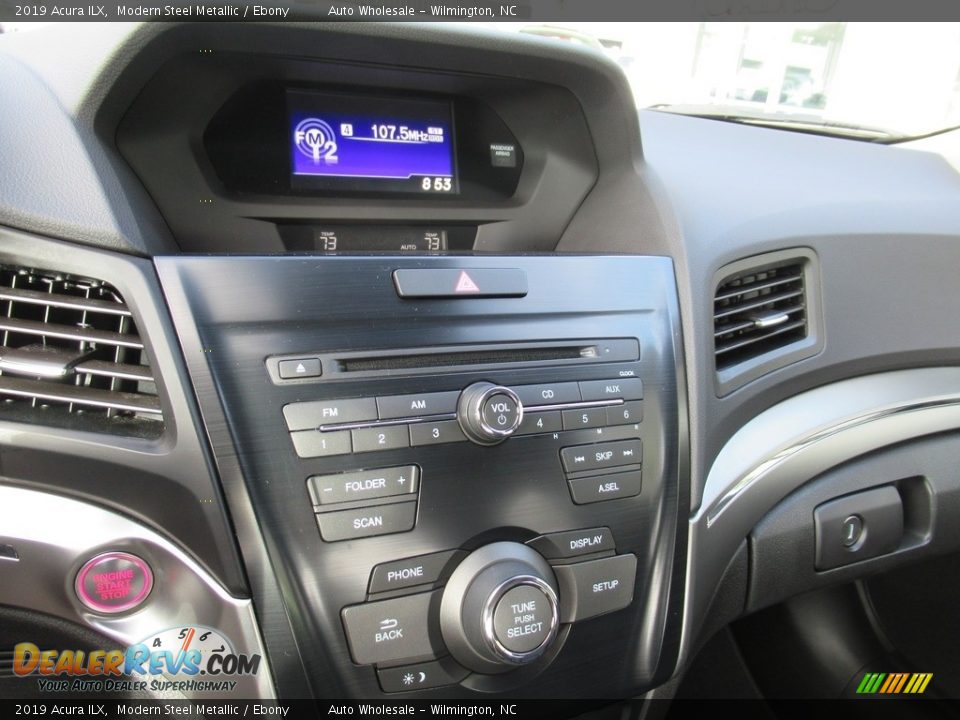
[[489, 413], [500, 608]]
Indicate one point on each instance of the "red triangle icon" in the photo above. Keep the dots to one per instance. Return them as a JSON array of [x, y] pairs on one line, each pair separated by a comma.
[[465, 284]]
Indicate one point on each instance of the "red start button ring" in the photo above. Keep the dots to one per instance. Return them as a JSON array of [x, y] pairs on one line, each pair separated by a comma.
[[114, 582]]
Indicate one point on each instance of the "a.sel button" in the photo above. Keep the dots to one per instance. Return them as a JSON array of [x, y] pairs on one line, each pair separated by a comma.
[[433, 433], [367, 522], [626, 388], [311, 415], [572, 543], [398, 629], [605, 487], [596, 587], [363, 485], [421, 676], [420, 570]]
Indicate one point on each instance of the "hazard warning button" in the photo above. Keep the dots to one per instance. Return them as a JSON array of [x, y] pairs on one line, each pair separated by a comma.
[[460, 282]]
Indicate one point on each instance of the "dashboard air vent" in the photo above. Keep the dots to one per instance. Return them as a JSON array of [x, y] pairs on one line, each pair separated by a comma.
[[71, 356], [758, 311]]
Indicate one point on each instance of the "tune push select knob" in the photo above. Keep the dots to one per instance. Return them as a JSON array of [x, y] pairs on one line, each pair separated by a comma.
[[489, 413], [499, 608]]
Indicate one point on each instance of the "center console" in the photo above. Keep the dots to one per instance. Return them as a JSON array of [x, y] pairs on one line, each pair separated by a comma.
[[467, 470]]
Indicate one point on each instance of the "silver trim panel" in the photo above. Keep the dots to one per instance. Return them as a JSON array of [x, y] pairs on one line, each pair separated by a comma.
[[55, 536], [791, 443]]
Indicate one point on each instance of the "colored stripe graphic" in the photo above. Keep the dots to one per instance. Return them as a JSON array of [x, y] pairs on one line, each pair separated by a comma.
[[894, 683]]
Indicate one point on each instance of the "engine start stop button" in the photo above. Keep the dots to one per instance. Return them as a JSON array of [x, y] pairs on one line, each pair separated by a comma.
[[114, 582]]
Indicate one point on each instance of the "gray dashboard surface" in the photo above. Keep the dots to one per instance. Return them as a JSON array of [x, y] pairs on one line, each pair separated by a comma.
[[883, 220]]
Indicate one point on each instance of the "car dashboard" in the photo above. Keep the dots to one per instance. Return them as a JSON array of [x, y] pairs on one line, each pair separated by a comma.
[[415, 362]]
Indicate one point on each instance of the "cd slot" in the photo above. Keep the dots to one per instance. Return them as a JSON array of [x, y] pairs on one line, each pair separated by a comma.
[[458, 358]]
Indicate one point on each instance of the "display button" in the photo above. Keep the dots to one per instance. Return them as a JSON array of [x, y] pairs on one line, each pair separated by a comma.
[[500, 412], [367, 522], [419, 405], [313, 443], [302, 368], [114, 582], [601, 455], [585, 418], [421, 570], [311, 415], [548, 394], [363, 485], [433, 433], [598, 488], [421, 676], [523, 619], [626, 414], [595, 587], [389, 437], [573, 543], [460, 283], [397, 629], [622, 388], [540, 422]]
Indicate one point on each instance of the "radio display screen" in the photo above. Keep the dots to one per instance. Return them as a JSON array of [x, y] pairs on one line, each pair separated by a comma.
[[368, 144]]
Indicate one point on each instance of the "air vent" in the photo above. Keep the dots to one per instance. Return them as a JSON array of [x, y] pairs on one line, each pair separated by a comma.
[[759, 311], [71, 356]]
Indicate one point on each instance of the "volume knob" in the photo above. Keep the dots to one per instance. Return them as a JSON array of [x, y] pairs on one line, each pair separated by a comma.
[[489, 413]]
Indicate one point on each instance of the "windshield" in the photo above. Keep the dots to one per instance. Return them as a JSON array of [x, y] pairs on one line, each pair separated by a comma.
[[877, 81]]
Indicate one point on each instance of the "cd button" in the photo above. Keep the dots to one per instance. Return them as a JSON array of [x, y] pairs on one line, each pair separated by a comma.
[[548, 394]]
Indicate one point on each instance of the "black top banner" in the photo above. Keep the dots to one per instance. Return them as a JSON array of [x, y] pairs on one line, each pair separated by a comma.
[[527, 11]]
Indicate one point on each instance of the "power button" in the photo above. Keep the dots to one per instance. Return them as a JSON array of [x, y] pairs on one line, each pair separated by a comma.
[[114, 582]]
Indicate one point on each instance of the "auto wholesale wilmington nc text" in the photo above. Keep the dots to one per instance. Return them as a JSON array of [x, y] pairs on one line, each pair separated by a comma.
[[454, 11]]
